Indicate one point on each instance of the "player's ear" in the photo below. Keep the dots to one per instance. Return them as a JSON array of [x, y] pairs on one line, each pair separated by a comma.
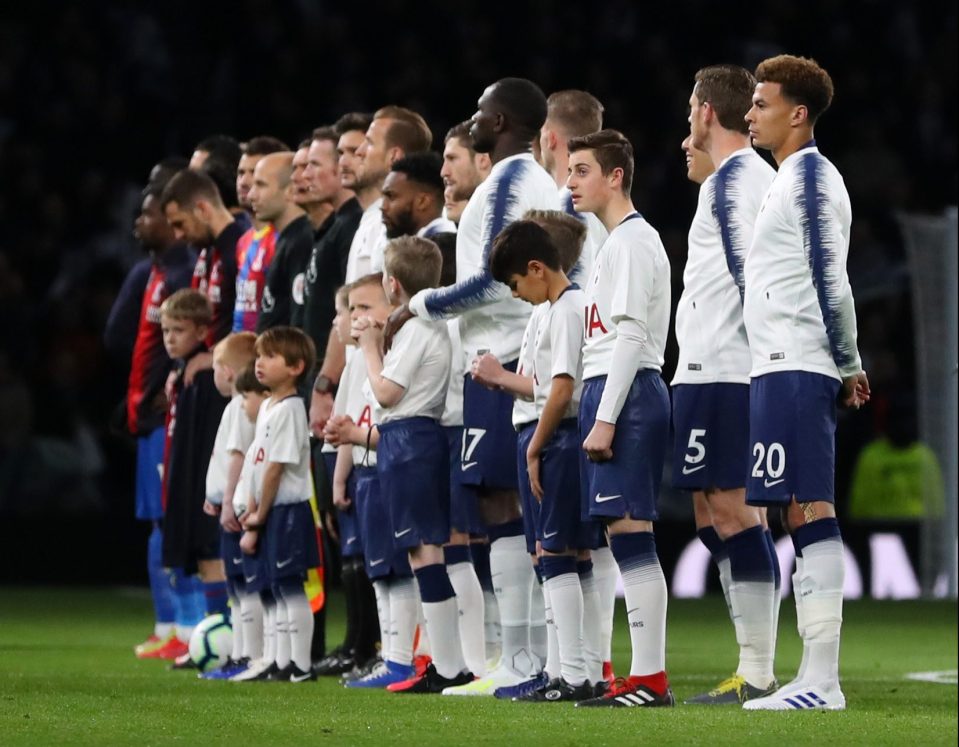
[[799, 115]]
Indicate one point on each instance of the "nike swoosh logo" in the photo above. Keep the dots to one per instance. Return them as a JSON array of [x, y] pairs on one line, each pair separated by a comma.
[[250, 579], [299, 677], [551, 534], [469, 464], [397, 535], [376, 562], [770, 483], [603, 498], [283, 563], [238, 561], [688, 471]]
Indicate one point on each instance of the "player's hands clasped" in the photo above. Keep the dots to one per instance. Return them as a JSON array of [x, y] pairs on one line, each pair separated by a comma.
[[487, 370], [367, 332], [599, 443], [337, 430]]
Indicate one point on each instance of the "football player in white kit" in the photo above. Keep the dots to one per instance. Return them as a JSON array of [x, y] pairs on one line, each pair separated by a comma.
[[711, 385], [801, 322], [510, 114], [624, 410]]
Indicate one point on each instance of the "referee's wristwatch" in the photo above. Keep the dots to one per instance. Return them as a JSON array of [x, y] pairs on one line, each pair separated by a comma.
[[324, 385]]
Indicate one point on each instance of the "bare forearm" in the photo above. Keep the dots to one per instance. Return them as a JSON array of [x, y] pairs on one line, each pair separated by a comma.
[[233, 467], [334, 360], [560, 395], [271, 485]]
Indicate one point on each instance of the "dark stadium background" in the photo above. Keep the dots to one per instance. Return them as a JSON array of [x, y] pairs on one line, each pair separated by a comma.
[[92, 96]]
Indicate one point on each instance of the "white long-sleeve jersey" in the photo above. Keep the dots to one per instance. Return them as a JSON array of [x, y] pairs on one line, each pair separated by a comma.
[[369, 243], [713, 346], [490, 318], [798, 307]]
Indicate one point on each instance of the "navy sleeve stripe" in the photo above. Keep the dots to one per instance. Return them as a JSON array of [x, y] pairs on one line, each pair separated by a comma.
[[822, 255], [724, 211], [501, 200]]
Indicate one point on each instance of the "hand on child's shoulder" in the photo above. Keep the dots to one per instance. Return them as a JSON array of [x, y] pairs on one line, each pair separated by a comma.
[[400, 316]]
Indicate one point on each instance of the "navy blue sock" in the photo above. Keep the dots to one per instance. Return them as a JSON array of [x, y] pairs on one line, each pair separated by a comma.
[[633, 550], [774, 557], [584, 568], [538, 570], [479, 551], [709, 537], [509, 529], [434, 584], [749, 556], [816, 531], [454, 554], [164, 608], [552, 566], [214, 594]]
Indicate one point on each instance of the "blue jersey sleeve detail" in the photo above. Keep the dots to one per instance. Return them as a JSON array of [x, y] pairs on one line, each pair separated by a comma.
[[480, 288]]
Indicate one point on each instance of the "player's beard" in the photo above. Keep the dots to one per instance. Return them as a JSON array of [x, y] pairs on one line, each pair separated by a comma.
[[403, 225]]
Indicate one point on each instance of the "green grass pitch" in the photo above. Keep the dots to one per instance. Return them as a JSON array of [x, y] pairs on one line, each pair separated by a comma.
[[68, 676]]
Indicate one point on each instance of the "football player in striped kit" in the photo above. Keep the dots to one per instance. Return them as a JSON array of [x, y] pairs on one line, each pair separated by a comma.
[[711, 385], [801, 322]]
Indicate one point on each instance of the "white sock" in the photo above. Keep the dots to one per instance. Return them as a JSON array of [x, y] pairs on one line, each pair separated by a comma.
[[183, 632], [566, 599], [606, 576], [752, 603], [404, 605], [299, 625], [592, 639], [645, 587], [821, 590], [552, 665], [269, 632], [237, 652], [538, 637], [162, 630], [283, 649], [381, 588], [492, 631], [251, 620], [469, 602], [725, 579], [442, 621], [423, 647], [800, 617], [513, 579]]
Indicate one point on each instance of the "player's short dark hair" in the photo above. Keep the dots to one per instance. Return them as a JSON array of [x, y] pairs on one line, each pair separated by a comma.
[[188, 186], [326, 132], [461, 132], [247, 383], [521, 242], [352, 121], [304, 143], [567, 233], [612, 151], [222, 147], [802, 79], [190, 305], [729, 91], [224, 176], [408, 130], [523, 103], [292, 343], [414, 261], [264, 145], [162, 173], [576, 112], [422, 168]]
